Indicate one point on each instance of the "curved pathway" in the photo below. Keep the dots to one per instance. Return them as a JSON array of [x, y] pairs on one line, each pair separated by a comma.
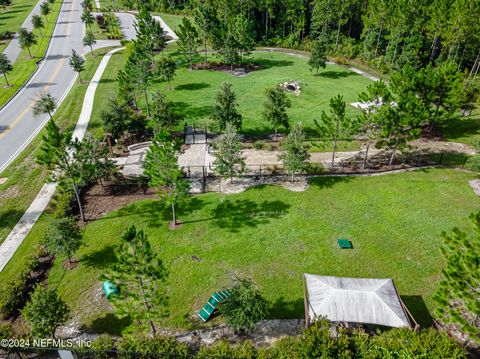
[[23, 227]]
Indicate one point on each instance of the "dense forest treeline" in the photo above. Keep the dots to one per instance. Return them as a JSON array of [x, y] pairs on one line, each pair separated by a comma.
[[386, 34]]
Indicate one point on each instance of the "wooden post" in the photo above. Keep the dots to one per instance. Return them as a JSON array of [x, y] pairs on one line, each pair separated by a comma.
[[305, 302], [109, 142]]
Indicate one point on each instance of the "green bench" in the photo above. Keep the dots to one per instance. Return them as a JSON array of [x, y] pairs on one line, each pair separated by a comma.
[[209, 308], [344, 244]]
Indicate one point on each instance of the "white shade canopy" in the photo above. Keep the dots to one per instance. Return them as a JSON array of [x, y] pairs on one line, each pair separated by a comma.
[[355, 300]]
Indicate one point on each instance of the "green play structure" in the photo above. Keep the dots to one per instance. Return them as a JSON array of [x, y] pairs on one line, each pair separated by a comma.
[[110, 289], [212, 304]]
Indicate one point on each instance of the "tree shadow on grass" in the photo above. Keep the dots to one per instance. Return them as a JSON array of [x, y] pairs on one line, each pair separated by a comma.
[[108, 324], [100, 259], [192, 86], [286, 309], [459, 127], [10, 217], [190, 112], [418, 309], [234, 215], [336, 74], [156, 212], [269, 63], [328, 181]]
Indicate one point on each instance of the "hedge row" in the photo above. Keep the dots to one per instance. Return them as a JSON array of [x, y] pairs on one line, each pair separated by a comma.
[[315, 342]]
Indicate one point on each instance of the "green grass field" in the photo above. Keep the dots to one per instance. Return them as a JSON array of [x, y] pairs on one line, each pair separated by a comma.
[[12, 17], [25, 65], [25, 177], [394, 222], [194, 91]]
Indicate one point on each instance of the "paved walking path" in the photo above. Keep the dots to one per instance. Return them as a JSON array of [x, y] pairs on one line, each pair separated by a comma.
[[13, 49], [23, 227]]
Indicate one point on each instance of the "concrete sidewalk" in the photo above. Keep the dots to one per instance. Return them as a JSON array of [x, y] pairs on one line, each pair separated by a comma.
[[23, 227]]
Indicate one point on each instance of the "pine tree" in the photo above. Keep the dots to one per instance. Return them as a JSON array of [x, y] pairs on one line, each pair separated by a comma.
[[163, 172], [46, 104], [244, 35], [368, 123], [225, 108], [188, 39], [229, 160], [295, 156], [163, 116], [166, 69], [5, 67], [63, 237], [332, 126], [457, 294], [116, 117], [275, 108], [150, 32], [89, 40], [77, 63], [45, 312], [37, 23], [140, 275], [26, 39], [318, 55]]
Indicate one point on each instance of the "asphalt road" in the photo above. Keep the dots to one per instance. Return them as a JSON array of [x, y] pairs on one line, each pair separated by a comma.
[[17, 123]]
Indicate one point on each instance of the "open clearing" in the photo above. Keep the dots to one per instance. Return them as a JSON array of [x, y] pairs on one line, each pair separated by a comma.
[[274, 236]]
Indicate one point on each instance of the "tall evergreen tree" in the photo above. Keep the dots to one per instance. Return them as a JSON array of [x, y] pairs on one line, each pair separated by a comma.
[[332, 126], [164, 118], [318, 55], [275, 108], [368, 123], [295, 154], [225, 108], [163, 172], [188, 39], [457, 294], [229, 161], [140, 275], [166, 69]]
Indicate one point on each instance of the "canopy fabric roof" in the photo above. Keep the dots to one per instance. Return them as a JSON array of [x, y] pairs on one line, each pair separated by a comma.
[[355, 300]]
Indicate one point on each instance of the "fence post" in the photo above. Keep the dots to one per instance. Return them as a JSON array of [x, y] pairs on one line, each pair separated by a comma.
[[204, 179], [260, 171], [343, 165], [206, 134]]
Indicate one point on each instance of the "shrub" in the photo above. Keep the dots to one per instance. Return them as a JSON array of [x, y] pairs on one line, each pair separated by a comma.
[[101, 347], [6, 331], [258, 145], [222, 348], [145, 346], [268, 147], [245, 307], [64, 202]]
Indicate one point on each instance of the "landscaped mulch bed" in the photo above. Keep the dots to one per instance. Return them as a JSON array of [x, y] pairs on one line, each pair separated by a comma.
[[100, 200]]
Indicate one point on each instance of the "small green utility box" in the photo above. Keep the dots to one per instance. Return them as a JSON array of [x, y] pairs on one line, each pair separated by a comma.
[[110, 289], [344, 244]]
